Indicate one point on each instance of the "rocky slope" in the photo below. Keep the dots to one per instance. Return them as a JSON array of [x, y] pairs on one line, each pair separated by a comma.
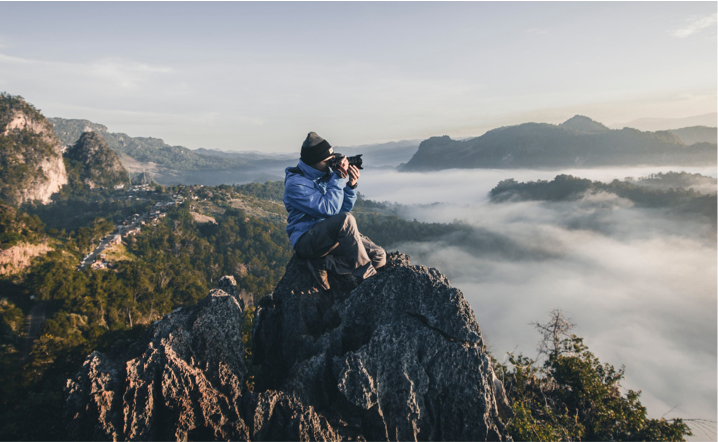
[[94, 164], [579, 141], [31, 164], [20, 256], [398, 357]]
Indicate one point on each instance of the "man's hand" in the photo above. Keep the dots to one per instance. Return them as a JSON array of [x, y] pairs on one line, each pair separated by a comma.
[[343, 167], [353, 175]]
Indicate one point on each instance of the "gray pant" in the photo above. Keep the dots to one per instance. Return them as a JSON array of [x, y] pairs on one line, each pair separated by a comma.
[[345, 251]]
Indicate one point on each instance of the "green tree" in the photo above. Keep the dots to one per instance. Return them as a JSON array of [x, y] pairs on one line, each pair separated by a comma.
[[573, 396]]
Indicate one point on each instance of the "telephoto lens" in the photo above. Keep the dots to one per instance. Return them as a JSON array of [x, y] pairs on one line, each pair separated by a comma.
[[353, 161]]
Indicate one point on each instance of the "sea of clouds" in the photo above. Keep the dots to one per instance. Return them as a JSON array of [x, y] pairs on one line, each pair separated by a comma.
[[639, 283]]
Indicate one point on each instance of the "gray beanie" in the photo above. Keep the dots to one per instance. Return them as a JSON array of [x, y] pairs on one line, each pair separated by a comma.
[[315, 149]]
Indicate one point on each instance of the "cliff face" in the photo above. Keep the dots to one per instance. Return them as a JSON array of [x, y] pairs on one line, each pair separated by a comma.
[[94, 164], [18, 257], [31, 164], [398, 357]]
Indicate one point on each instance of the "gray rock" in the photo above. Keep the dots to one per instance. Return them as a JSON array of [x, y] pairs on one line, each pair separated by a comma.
[[182, 380], [398, 357]]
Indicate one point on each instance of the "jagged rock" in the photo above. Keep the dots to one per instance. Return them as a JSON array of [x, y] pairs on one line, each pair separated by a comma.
[[182, 380], [278, 416], [399, 357]]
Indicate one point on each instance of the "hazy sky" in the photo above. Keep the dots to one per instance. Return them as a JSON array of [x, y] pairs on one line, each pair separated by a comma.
[[261, 75]]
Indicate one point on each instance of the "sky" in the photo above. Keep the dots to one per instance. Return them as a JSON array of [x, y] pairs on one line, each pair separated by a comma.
[[259, 76]]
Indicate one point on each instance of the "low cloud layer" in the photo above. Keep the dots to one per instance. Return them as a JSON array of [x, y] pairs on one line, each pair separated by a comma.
[[640, 284]]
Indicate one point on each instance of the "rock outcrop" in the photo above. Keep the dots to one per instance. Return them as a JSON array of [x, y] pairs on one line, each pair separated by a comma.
[[183, 380], [397, 357], [31, 164], [19, 256], [94, 164]]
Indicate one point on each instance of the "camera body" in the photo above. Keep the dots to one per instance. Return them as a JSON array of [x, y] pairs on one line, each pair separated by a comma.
[[353, 161]]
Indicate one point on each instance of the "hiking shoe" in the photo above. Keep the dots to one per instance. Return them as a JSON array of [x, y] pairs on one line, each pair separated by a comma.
[[319, 271]]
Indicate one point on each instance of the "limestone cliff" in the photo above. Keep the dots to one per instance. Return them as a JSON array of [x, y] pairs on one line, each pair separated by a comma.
[[31, 164], [397, 357]]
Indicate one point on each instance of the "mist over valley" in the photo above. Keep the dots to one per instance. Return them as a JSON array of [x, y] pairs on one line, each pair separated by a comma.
[[639, 282]]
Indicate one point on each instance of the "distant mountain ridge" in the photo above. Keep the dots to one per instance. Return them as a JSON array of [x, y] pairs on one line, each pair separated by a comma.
[[579, 141], [696, 134], [653, 124], [143, 149]]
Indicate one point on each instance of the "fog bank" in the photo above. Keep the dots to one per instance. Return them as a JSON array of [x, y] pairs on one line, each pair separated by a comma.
[[640, 284]]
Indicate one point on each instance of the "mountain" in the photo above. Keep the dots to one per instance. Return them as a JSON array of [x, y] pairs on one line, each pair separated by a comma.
[[172, 165], [143, 149], [653, 124], [398, 357], [576, 142], [696, 134], [92, 163], [584, 125], [31, 165]]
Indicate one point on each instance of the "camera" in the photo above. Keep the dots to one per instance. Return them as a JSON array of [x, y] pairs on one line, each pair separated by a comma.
[[353, 161]]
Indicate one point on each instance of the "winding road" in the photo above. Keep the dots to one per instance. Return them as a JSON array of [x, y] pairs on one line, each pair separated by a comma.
[[34, 322]]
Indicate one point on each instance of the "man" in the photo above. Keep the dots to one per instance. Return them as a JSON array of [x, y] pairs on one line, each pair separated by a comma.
[[319, 225]]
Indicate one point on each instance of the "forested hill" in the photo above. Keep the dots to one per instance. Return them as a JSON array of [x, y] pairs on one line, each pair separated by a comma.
[[684, 202], [143, 149], [91, 163], [579, 141]]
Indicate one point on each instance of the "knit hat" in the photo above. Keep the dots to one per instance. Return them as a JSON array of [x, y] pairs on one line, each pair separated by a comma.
[[315, 149]]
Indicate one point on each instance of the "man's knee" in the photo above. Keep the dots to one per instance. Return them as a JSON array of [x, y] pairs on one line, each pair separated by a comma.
[[346, 219], [379, 258]]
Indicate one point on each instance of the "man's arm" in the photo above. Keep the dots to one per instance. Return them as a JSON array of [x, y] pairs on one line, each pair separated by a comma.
[[350, 195], [311, 201]]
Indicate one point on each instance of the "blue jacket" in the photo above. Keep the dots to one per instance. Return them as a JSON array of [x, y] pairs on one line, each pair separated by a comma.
[[311, 196]]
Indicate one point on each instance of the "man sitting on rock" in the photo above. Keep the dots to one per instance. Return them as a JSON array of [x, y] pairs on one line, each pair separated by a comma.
[[319, 225]]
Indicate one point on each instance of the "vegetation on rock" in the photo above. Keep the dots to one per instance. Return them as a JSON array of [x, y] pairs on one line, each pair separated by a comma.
[[573, 396], [91, 163]]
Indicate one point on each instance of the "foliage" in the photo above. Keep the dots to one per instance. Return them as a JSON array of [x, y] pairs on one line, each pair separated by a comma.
[[252, 370], [15, 103], [89, 162], [270, 190], [573, 396], [79, 206], [173, 264], [17, 226]]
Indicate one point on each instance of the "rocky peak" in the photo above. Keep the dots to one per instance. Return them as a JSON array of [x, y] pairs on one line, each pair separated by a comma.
[[585, 125], [95, 164], [31, 166], [397, 357]]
